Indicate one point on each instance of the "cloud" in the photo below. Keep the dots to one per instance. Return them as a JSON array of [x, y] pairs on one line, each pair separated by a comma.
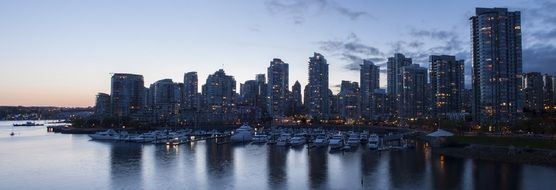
[[540, 58], [433, 34], [424, 43], [297, 10], [352, 51], [353, 15], [539, 22], [255, 28], [539, 37]]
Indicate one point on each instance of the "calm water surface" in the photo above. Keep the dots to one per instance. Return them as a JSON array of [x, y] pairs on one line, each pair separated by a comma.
[[35, 159]]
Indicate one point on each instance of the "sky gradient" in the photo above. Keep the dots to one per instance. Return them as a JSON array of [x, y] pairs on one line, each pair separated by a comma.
[[61, 53]]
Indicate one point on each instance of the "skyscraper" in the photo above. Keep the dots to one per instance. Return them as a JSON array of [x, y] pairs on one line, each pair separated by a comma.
[[548, 91], [166, 96], [190, 91], [127, 94], [380, 99], [296, 95], [165, 91], [497, 66], [447, 85], [102, 105], [219, 93], [277, 87], [533, 91], [318, 103], [394, 80], [261, 81], [348, 100], [249, 91], [412, 102], [262, 99], [369, 79], [248, 105]]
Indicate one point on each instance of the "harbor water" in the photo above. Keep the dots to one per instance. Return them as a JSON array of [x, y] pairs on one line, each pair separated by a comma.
[[36, 159]]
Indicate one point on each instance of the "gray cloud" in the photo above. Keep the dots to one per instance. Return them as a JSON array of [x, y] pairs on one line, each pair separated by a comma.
[[352, 51], [445, 42], [540, 58], [377, 59], [434, 42], [255, 28], [540, 22], [297, 10], [416, 44], [539, 37], [353, 15], [433, 34]]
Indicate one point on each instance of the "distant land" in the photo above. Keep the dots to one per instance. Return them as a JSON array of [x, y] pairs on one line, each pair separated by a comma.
[[42, 112]]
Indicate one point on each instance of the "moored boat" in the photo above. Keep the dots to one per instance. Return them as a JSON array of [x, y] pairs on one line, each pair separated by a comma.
[[242, 134], [298, 140], [373, 141], [110, 134], [28, 124], [364, 138], [337, 141], [321, 140], [260, 139], [353, 139], [283, 140]]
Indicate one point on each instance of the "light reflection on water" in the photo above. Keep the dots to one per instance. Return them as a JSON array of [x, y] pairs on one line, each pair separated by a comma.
[[39, 160]]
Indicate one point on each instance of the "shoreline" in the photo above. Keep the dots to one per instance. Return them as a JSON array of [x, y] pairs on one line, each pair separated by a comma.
[[532, 156], [375, 129]]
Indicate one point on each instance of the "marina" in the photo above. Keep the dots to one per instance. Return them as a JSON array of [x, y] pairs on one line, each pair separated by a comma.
[[75, 161], [285, 137]]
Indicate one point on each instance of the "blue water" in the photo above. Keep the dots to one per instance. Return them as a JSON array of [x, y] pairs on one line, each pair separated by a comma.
[[35, 159]]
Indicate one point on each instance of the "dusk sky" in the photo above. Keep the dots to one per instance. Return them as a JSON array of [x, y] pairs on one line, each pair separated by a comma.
[[61, 53]]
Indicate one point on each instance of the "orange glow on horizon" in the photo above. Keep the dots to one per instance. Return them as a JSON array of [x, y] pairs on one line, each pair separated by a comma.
[[42, 99]]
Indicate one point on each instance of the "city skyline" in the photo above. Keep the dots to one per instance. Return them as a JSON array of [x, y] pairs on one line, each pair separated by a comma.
[[88, 52]]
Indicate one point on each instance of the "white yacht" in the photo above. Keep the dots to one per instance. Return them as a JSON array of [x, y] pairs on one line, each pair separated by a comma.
[[260, 139], [321, 140], [373, 141], [283, 140], [353, 139], [364, 137], [110, 134], [242, 134], [298, 140], [337, 141], [145, 137]]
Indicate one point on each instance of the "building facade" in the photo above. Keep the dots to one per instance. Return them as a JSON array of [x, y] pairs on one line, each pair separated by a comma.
[[412, 102], [127, 94], [317, 91], [447, 85], [190, 91], [548, 92], [348, 100], [497, 66], [219, 95], [370, 81], [394, 80], [102, 105], [533, 92], [296, 97], [277, 89]]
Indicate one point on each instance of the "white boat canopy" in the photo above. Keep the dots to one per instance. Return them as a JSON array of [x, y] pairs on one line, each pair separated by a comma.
[[440, 133]]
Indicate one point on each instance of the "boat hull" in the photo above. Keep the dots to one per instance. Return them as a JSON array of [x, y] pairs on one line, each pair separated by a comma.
[[102, 137], [245, 137]]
